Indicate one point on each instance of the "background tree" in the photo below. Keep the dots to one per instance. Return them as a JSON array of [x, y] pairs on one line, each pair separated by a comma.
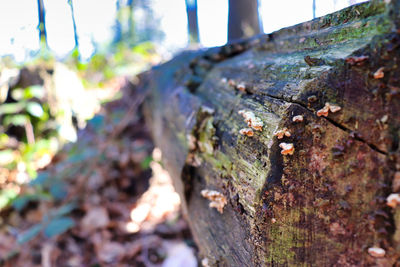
[[118, 26], [74, 25], [193, 27], [131, 23], [313, 9], [243, 19], [42, 24]]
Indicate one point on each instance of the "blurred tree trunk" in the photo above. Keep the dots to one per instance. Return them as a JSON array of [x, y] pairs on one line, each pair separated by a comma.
[[118, 26], [311, 188], [193, 27], [243, 19], [131, 23], [313, 8], [71, 5], [42, 24]]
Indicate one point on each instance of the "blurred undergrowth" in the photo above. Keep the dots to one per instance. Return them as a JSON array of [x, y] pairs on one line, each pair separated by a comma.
[[44, 102]]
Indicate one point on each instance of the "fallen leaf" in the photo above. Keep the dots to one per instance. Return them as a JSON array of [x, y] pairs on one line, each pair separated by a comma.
[[110, 252], [95, 218]]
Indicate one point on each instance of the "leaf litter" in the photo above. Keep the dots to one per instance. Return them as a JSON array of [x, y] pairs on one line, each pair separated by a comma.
[[103, 201]]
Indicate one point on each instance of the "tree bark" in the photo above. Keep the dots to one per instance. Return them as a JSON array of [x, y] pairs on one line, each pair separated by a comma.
[[243, 19], [325, 205]]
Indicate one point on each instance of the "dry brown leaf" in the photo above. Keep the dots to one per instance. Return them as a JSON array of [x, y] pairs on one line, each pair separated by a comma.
[[95, 218], [110, 252]]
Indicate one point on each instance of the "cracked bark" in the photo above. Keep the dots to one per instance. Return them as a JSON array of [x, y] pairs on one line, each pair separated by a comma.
[[340, 126], [325, 204]]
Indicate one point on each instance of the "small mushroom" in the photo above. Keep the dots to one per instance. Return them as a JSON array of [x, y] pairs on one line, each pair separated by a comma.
[[379, 74], [204, 262], [217, 199], [251, 120], [334, 108], [356, 60], [376, 252], [287, 148], [241, 87], [246, 131], [297, 118], [393, 200], [323, 111], [256, 124], [281, 133], [328, 107]]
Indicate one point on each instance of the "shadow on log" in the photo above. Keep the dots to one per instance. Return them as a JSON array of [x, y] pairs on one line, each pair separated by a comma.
[[323, 204]]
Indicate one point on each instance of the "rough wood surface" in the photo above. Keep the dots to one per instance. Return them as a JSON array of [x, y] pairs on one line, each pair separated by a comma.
[[325, 204]]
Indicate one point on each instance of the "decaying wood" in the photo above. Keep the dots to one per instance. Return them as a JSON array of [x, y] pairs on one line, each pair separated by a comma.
[[322, 204]]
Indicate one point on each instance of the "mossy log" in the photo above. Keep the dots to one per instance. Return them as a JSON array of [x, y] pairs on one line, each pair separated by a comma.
[[324, 205]]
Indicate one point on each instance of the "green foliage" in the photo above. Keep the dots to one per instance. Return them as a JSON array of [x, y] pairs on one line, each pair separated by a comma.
[[55, 186], [6, 196], [145, 164], [31, 113], [54, 223], [22, 201], [34, 91], [119, 60], [58, 189], [96, 122], [30, 109], [58, 226], [29, 234]]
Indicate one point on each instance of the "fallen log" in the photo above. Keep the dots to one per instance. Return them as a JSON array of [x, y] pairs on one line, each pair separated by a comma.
[[297, 132]]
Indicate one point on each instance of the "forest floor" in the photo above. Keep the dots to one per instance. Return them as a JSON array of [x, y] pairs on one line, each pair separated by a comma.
[[104, 200]]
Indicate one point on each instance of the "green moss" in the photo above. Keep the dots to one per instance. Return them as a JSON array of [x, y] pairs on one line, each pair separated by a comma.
[[220, 162], [286, 236]]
